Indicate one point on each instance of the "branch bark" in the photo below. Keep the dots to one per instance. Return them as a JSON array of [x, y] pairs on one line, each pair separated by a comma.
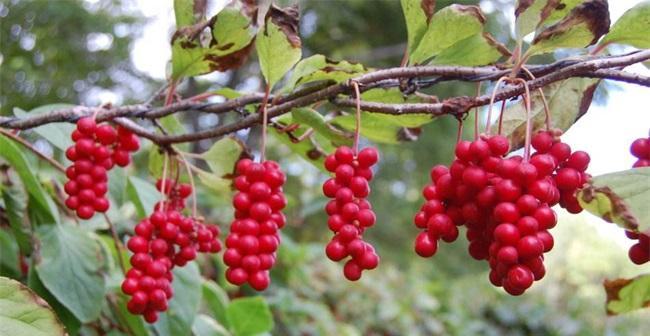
[[595, 67]]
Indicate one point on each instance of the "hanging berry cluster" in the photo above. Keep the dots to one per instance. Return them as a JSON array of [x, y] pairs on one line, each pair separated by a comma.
[[505, 204], [96, 150], [639, 253], [162, 241], [253, 240], [640, 148], [349, 212]]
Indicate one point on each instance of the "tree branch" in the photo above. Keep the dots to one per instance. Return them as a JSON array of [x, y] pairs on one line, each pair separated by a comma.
[[593, 67]]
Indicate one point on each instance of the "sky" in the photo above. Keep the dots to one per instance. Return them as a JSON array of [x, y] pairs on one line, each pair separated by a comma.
[[606, 131]]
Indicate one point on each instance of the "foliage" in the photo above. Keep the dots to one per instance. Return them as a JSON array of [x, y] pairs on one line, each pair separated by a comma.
[[65, 273]]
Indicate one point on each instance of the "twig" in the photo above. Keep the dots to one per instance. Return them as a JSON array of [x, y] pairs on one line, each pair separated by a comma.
[[29, 146]]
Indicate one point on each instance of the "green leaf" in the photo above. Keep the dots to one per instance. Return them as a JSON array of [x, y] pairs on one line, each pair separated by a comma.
[[632, 28], [278, 43], [184, 306], [66, 317], [15, 204], [223, 155], [528, 15], [188, 58], [207, 326], [568, 101], [39, 199], [9, 263], [313, 149], [479, 49], [117, 181], [58, 134], [558, 9], [143, 194], [315, 120], [216, 300], [448, 26], [620, 198], [232, 31], [70, 266], [134, 323], [582, 27], [184, 12], [249, 316], [23, 313], [417, 14], [319, 68], [627, 295], [378, 128]]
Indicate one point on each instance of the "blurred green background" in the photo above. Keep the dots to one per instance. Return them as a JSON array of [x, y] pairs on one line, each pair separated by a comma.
[[85, 52]]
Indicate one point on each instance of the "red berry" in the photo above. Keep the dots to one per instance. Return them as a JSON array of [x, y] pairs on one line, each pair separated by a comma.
[[86, 125], [367, 157], [640, 148]]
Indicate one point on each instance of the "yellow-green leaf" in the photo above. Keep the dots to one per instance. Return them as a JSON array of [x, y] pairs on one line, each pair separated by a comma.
[[417, 14], [184, 12], [232, 30], [627, 295], [620, 198], [633, 28], [23, 313], [448, 26], [479, 49], [278, 43], [318, 68]]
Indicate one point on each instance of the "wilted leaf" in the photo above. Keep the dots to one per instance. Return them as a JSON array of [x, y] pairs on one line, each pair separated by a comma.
[[249, 316], [232, 30], [319, 68], [568, 101], [278, 43], [417, 14], [23, 313], [632, 28], [626, 295], [58, 134], [70, 266], [38, 198], [479, 49], [620, 198], [448, 26], [582, 27], [183, 307]]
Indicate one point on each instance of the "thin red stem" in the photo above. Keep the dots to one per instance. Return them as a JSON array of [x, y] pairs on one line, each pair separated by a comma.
[[476, 130], [189, 174], [503, 110], [528, 121], [267, 92], [488, 122], [163, 194], [459, 135], [170, 93], [357, 93], [547, 110]]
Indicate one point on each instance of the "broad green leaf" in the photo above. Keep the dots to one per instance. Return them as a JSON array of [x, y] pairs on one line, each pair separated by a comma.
[[278, 43], [223, 155], [632, 28], [528, 15], [188, 58], [9, 263], [216, 300], [417, 14], [143, 194], [249, 316], [558, 9], [582, 27], [58, 134], [627, 295], [232, 31], [479, 49], [66, 317], [315, 120], [23, 313], [184, 12], [39, 199], [318, 68], [448, 26], [183, 307], [207, 326], [117, 181], [383, 128], [70, 266], [15, 204], [568, 101], [620, 198]]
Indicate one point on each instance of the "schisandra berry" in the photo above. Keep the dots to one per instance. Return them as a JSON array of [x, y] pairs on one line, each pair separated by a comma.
[[349, 213], [254, 238], [640, 148], [162, 241], [93, 154]]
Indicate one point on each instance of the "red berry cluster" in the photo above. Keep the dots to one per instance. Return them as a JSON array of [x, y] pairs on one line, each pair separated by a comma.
[[349, 212], [505, 203], [97, 148], [254, 238], [641, 150], [164, 240]]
